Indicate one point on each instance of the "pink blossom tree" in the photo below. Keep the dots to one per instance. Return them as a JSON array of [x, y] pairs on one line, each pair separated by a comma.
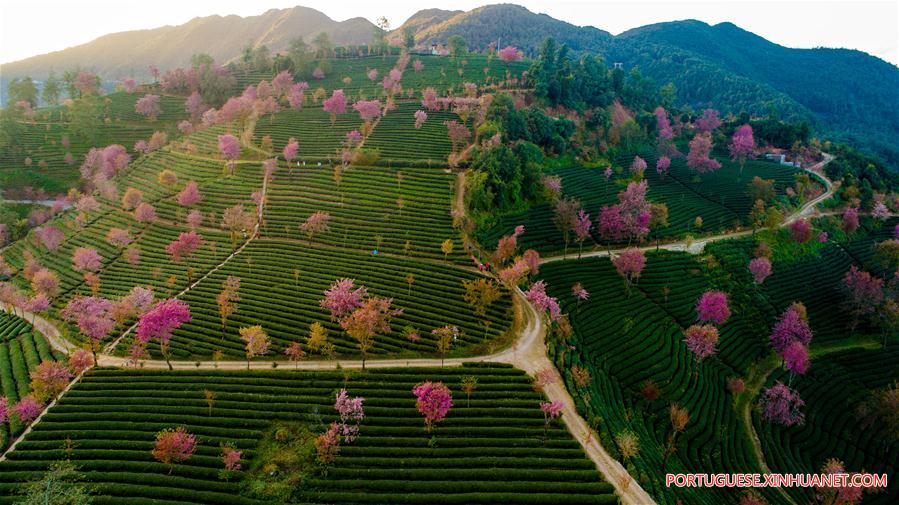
[[742, 145], [796, 358], [458, 133], [231, 458], [792, 326], [638, 166], [342, 298], [351, 414], [229, 147], [148, 106], [335, 105], [295, 353], [27, 409], [863, 291], [190, 195], [782, 405], [194, 105], [712, 307], [509, 54], [544, 303], [174, 446], [582, 230], [708, 122], [291, 149], [701, 340], [368, 321], [551, 411], [119, 237], [93, 317], [368, 110], [698, 157], [420, 118], [159, 323], [49, 379], [801, 231], [760, 269], [49, 236], [429, 99], [850, 220], [80, 360], [629, 264], [145, 213], [662, 165], [86, 259], [316, 223], [433, 401]]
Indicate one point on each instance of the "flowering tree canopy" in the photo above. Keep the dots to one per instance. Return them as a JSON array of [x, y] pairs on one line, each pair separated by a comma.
[[148, 106], [712, 307], [342, 298], [433, 400], [701, 340], [174, 445], [760, 268], [629, 263], [782, 405], [698, 158]]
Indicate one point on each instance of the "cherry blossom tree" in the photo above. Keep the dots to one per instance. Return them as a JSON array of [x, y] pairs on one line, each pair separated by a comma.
[[698, 158], [335, 105], [801, 231], [174, 446], [49, 236], [93, 317], [342, 298], [368, 110], [708, 122], [159, 323], [565, 217], [148, 106], [295, 353], [662, 165], [742, 145], [190, 195], [194, 105], [792, 326], [509, 54], [760, 269], [544, 303], [291, 149], [48, 380], [316, 223], [80, 360], [429, 99], [351, 414], [551, 411], [327, 446], [782, 405], [850, 220], [701, 341], [458, 133], [86, 259], [638, 166], [420, 118], [629, 264], [796, 358], [712, 307], [229, 147], [145, 213], [130, 84], [433, 400], [256, 342], [582, 230], [863, 291], [27, 409], [119, 237]]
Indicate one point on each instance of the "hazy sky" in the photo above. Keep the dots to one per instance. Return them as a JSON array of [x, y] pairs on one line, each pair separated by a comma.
[[30, 27]]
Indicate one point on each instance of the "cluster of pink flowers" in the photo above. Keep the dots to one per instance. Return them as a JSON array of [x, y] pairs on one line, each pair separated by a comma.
[[760, 268], [782, 405], [343, 297], [701, 340], [542, 301], [351, 414], [433, 400], [713, 307]]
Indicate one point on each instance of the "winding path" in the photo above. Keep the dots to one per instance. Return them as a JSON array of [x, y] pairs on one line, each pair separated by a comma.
[[528, 351]]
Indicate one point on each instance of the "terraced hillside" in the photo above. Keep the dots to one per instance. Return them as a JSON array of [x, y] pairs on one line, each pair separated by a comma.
[[41, 162], [834, 388], [720, 198], [21, 349], [283, 281], [495, 444]]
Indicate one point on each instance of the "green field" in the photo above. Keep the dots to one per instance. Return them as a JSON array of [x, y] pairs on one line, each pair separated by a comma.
[[495, 446]]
